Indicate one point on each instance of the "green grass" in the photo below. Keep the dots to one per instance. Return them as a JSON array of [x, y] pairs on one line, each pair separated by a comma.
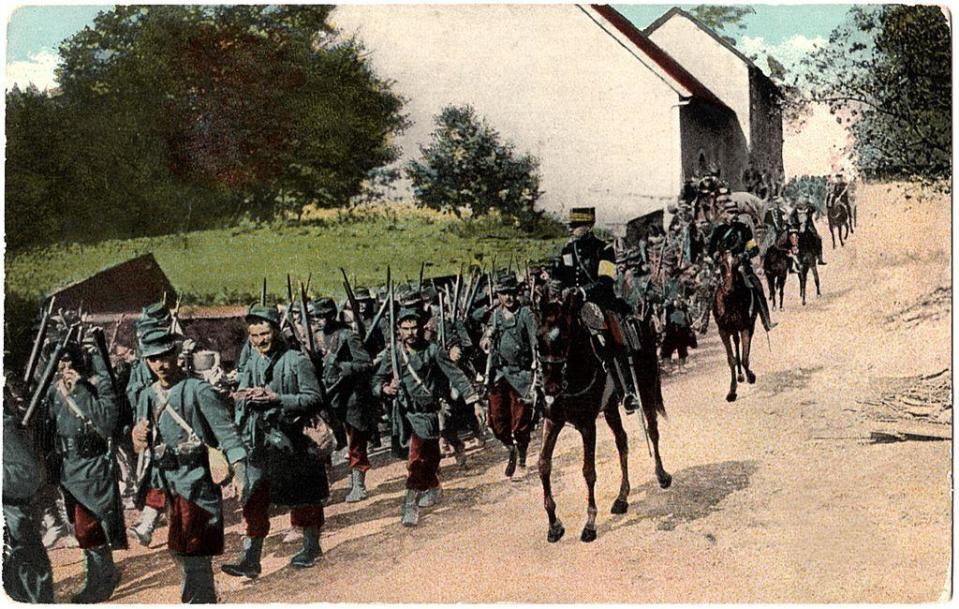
[[226, 266]]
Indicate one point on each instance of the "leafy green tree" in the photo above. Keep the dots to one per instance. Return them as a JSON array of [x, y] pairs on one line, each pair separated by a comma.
[[887, 73], [466, 166]]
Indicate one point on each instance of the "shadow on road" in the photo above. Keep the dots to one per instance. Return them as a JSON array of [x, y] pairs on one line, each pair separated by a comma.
[[696, 492]]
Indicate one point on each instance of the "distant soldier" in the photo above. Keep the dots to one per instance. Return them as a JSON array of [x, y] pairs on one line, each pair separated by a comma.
[[734, 236], [422, 370], [278, 395], [178, 417], [27, 576], [678, 335], [510, 339], [347, 368], [83, 413], [838, 194]]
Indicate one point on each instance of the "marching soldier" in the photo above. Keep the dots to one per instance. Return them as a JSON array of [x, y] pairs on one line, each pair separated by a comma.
[[417, 381], [278, 395], [27, 576], [83, 412], [734, 236], [178, 418], [346, 371], [510, 342], [150, 501]]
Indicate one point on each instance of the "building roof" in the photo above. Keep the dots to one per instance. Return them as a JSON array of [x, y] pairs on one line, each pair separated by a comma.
[[122, 288], [655, 25], [662, 59]]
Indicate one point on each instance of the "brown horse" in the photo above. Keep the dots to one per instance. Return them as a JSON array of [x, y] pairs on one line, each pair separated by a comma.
[[776, 268], [838, 218], [735, 320], [805, 246], [578, 387]]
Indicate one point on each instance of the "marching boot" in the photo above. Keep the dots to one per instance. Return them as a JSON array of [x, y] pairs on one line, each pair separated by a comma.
[[511, 462], [358, 492], [411, 509], [143, 530], [248, 564], [311, 549], [101, 578], [198, 587], [431, 497]]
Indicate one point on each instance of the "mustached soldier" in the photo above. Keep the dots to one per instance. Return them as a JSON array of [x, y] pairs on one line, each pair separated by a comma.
[[423, 369], [178, 417], [278, 395]]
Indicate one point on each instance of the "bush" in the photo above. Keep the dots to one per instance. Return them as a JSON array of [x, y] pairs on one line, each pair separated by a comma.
[[812, 187], [467, 167]]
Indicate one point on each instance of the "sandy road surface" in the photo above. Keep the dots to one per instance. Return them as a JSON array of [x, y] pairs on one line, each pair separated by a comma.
[[785, 495]]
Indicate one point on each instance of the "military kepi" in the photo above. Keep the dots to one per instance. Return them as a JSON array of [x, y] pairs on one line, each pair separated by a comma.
[[258, 313], [156, 342], [582, 216]]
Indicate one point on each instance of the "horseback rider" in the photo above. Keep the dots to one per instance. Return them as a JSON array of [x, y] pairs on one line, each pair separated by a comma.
[[734, 236], [802, 219], [838, 194], [778, 229]]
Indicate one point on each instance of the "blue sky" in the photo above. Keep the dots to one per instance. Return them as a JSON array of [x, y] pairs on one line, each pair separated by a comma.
[[786, 31]]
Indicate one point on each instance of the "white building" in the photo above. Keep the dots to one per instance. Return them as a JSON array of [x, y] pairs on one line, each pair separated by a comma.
[[616, 122]]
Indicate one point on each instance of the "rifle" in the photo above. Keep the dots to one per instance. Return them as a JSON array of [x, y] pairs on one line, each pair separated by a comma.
[[376, 320], [394, 360], [310, 345], [175, 318], [48, 373], [442, 323], [263, 293], [309, 280], [489, 356], [360, 329], [455, 302], [419, 286], [38, 341], [116, 330], [471, 294]]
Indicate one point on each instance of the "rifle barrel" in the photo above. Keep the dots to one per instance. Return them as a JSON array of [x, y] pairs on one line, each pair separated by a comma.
[[38, 341]]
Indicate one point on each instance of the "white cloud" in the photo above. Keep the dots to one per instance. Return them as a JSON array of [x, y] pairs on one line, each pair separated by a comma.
[[788, 52], [37, 70]]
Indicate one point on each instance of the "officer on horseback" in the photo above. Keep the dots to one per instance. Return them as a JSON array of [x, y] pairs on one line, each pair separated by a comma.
[[734, 236], [802, 218]]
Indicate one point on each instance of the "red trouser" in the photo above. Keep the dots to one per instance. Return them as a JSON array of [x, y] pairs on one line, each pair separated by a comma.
[[359, 458], [87, 528], [509, 416], [256, 513], [424, 464], [156, 499], [191, 532]]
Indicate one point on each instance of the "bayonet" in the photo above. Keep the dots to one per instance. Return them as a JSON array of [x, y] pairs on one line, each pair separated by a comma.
[[38, 341], [354, 306]]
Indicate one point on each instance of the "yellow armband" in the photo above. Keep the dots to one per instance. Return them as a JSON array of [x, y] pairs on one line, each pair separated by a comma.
[[607, 269]]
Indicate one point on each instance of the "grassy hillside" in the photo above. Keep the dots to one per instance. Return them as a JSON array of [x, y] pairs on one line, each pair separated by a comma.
[[226, 266]]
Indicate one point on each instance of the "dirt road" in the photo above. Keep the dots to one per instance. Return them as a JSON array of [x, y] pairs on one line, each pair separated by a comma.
[[814, 486]]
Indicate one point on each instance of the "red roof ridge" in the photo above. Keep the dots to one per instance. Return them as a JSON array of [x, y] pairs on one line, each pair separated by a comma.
[[663, 59]]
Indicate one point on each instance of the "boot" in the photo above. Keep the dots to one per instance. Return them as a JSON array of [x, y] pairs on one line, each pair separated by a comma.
[[143, 530], [521, 450], [197, 572], [511, 462], [459, 453], [101, 578], [768, 324], [311, 549], [358, 492], [248, 564], [431, 497], [411, 509]]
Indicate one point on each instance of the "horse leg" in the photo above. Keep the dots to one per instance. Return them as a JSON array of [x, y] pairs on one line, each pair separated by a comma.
[[803, 272], [731, 361], [615, 422], [739, 359], [771, 282], [551, 431], [832, 234], [815, 276], [589, 473], [746, 336], [782, 288], [652, 427]]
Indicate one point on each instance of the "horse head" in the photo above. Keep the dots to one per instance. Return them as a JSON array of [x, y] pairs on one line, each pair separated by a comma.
[[558, 311]]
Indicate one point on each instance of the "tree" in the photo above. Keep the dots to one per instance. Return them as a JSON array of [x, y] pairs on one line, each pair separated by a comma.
[[175, 117], [886, 73], [467, 167], [718, 17]]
